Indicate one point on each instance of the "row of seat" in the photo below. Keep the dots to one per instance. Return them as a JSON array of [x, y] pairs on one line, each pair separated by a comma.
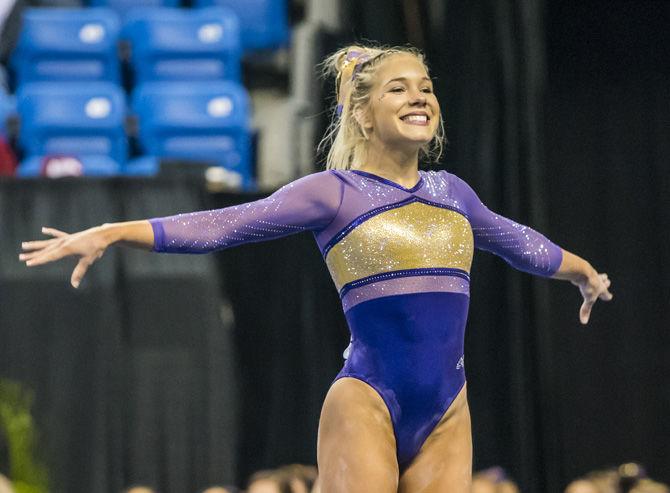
[[203, 121], [166, 44], [66, 124], [263, 23]]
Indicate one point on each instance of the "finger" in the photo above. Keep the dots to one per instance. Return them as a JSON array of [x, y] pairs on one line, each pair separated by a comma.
[[54, 232], [38, 245], [79, 271], [28, 256], [55, 252], [48, 249], [585, 312], [606, 295]]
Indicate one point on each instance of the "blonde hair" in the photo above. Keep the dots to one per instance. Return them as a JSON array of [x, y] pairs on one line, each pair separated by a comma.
[[345, 136]]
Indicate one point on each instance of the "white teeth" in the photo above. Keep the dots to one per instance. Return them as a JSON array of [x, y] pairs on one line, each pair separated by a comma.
[[416, 118]]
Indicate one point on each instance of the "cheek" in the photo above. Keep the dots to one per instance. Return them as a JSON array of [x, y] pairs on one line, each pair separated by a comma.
[[385, 113], [435, 105]]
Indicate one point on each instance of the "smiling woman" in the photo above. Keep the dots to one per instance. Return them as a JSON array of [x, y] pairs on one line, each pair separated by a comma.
[[385, 103], [398, 243]]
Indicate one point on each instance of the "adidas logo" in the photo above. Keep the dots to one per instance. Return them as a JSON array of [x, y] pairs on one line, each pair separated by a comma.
[[461, 363]]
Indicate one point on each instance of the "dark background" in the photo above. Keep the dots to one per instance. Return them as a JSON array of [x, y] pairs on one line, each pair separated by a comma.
[[186, 370]]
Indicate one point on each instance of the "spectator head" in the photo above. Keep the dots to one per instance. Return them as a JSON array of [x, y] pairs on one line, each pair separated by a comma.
[[220, 489], [649, 486], [582, 486], [606, 481], [269, 481], [633, 479], [300, 477], [493, 480], [139, 488]]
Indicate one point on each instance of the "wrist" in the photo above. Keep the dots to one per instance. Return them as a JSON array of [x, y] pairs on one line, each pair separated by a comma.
[[574, 269], [110, 234], [585, 272]]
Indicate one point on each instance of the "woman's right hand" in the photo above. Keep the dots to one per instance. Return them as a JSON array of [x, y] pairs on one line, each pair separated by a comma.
[[89, 245]]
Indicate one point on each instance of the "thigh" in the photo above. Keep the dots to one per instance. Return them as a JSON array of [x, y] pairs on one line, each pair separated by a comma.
[[444, 463], [356, 449]]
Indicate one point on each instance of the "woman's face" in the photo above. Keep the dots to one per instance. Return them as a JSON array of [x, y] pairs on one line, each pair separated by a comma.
[[403, 109]]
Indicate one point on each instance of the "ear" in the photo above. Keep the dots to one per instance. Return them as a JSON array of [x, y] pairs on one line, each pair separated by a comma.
[[364, 118]]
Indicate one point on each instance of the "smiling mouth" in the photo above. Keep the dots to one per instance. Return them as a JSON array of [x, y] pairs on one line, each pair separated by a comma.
[[421, 120]]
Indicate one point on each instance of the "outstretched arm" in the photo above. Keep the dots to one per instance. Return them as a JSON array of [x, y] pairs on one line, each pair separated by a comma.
[[308, 203], [89, 245], [527, 250]]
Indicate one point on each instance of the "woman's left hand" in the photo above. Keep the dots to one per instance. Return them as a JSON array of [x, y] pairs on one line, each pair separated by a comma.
[[593, 287]]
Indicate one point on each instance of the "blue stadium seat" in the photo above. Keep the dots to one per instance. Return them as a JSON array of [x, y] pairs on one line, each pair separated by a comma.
[[181, 44], [263, 23], [123, 7], [60, 44], [80, 119], [202, 121]]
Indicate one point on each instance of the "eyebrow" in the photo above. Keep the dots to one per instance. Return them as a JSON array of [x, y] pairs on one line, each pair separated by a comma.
[[403, 79]]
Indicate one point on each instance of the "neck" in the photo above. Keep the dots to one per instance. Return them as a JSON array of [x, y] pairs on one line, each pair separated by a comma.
[[395, 164]]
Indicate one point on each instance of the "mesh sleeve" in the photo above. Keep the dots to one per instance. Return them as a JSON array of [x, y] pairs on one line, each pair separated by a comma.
[[520, 246], [306, 204]]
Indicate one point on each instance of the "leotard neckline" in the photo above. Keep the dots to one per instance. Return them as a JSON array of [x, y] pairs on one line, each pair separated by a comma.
[[390, 182]]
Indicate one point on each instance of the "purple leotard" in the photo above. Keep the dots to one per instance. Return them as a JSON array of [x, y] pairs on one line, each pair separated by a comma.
[[400, 259]]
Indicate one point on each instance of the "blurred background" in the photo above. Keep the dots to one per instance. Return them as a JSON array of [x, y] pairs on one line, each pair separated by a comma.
[[181, 372]]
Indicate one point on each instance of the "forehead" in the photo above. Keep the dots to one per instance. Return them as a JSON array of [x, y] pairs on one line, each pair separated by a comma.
[[400, 65]]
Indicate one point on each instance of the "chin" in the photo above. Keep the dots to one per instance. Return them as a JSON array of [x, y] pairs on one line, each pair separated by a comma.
[[419, 136], [417, 140]]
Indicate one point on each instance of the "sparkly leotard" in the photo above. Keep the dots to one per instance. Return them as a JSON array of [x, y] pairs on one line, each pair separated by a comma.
[[400, 259]]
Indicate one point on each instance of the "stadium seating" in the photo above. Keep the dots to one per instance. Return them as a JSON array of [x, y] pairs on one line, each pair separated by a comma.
[[186, 70], [73, 119], [123, 7], [183, 44], [263, 23], [203, 121], [63, 44]]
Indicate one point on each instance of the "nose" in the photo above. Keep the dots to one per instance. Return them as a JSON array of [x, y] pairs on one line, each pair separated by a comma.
[[417, 98]]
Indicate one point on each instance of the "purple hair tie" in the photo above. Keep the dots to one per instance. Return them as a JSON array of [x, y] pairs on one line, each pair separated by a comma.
[[351, 67]]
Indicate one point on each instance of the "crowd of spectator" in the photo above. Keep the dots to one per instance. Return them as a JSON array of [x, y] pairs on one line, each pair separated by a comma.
[[627, 478], [299, 478], [292, 478]]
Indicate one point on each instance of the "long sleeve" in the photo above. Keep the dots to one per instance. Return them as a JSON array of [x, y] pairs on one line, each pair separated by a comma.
[[306, 204], [520, 246]]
